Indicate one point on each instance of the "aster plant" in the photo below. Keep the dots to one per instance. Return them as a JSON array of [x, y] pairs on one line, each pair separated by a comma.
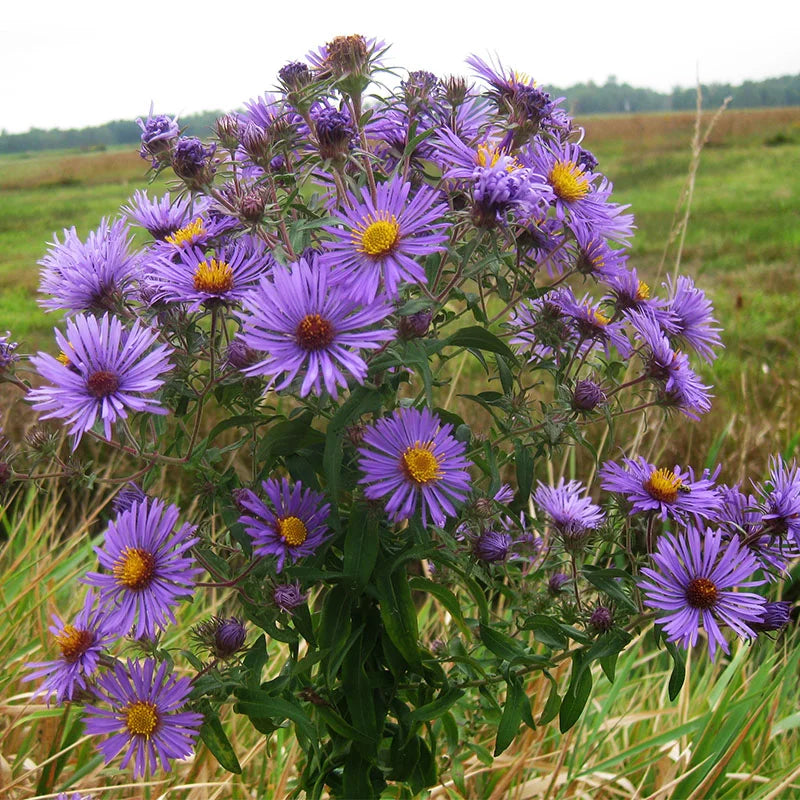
[[342, 367]]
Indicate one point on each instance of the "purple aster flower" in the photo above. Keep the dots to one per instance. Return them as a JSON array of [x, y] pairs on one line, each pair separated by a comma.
[[144, 717], [162, 217], [742, 515], [568, 507], [106, 370], [776, 617], [593, 327], [380, 240], [94, 275], [193, 162], [413, 460], [493, 546], [202, 279], [302, 322], [541, 328], [673, 493], [73, 796], [460, 160], [7, 354], [591, 254], [294, 526], [222, 637], [579, 195], [504, 495], [695, 581], [288, 596], [496, 192], [679, 383], [628, 293], [81, 643], [782, 500], [148, 571], [689, 318], [129, 494], [158, 134]]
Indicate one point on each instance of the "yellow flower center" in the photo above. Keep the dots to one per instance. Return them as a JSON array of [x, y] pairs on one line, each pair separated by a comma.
[[487, 156], [292, 530], [189, 234], [701, 593], [63, 358], [134, 568], [663, 485], [314, 332], [73, 642], [600, 318], [568, 181], [213, 276], [377, 237], [419, 464], [643, 291], [141, 718]]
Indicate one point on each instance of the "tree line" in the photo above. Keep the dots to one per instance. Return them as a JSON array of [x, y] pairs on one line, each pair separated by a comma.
[[582, 98]]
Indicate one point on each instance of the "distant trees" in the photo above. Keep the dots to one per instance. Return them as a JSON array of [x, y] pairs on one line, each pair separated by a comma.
[[583, 98], [614, 97]]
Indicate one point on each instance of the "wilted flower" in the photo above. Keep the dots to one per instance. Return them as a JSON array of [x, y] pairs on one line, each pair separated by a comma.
[[288, 596], [193, 162], [158, 134]]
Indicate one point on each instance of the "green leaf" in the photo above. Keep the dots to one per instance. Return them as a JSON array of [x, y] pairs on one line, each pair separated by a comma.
[[502, 645], [361, 545], [334, 623], [255, 704], [577, 694], [547, 631], [254, 661], [286, 438], [523, 459], [445, 597], [609, 644], [355, 778], [476, 338], [608, 581], [339, 725], [398, 614], [437, 707], [678, 670], [512, 715], [216, 740]]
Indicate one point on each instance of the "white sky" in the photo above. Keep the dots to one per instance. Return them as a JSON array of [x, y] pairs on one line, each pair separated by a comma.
[[84, 62]]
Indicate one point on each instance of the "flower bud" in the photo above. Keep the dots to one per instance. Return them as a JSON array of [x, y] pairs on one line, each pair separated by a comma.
[[556, 583], [334, 132], [129, 494], [257, 144], [347, 55], [239, 355], [252, 205], [587, 396], [7, 355], [287, 596], [492, 546], [158, 135], [295, 75], [223, 638], [776, 617], [414, 326], [455, 89], [227, 130], [602, 619], [192, 161]]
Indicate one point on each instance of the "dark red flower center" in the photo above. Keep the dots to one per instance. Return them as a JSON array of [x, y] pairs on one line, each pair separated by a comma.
[[102, 383], [702, 593], [314, 332]]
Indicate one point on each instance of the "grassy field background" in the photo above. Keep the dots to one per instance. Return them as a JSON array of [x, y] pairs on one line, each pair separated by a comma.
[[742, 246]]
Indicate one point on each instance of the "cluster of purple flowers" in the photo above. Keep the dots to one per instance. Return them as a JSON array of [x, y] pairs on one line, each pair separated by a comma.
[[147, 573], [316, 251]]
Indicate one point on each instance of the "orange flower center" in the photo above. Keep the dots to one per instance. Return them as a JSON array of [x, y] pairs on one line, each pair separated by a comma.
[[314, 332], [73, 642], [213, 276], [701, 593], [134, 568]]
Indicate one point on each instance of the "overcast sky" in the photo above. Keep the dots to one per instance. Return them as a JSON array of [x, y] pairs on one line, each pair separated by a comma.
[[83, 62]]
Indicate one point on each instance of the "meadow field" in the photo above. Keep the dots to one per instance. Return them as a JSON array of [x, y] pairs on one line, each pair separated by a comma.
[[734, 731]]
